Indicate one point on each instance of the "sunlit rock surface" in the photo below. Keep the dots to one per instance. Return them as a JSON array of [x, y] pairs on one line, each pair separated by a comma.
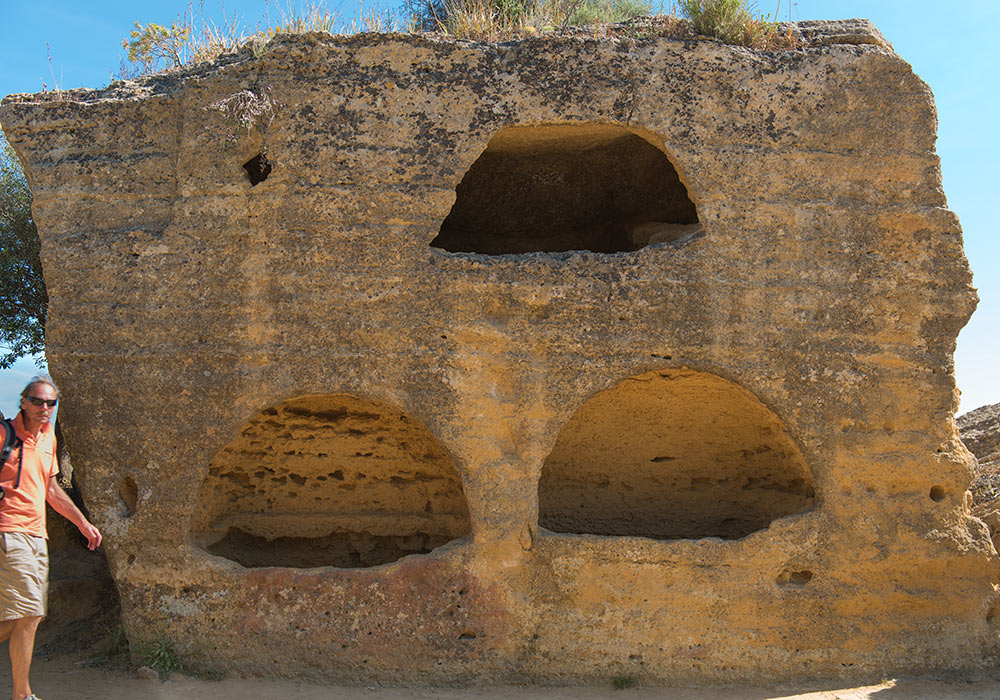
[[544, 361]]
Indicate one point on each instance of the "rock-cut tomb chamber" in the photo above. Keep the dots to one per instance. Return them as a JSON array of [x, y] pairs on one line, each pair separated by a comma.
[[550, 361]]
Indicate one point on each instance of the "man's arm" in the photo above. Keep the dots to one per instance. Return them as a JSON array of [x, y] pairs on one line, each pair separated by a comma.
[[62, 504]]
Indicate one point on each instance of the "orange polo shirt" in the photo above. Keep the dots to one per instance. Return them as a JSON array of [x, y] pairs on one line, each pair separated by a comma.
[[23, 508]]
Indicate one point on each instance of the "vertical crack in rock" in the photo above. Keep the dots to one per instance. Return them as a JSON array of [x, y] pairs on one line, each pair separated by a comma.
[[128, 493]]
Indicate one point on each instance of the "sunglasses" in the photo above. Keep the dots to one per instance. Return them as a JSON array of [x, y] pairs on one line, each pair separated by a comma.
[[51, 403]]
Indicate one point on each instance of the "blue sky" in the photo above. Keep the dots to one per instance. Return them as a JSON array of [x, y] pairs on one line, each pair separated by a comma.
[[951, 47]]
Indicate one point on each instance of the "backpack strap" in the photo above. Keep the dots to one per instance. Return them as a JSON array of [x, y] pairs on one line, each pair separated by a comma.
[[10, 443], [10, 439]]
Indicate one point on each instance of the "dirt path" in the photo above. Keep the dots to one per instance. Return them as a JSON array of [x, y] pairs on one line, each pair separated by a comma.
[[68, 678]]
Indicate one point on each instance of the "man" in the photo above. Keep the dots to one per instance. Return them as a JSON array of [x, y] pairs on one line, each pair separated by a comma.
[[28, 479]]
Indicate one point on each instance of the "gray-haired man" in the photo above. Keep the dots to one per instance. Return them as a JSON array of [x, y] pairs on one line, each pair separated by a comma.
[[28, 480]]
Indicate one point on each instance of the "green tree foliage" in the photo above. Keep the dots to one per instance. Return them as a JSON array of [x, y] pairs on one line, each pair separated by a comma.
[[155, 47], [23, 300]]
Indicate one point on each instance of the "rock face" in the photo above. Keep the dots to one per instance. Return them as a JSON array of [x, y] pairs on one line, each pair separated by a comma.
[[544, 361], [980, 431]]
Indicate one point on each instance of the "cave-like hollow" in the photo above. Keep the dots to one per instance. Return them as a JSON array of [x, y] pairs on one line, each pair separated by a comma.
[[673, 454], [329, 480], [603, 188]]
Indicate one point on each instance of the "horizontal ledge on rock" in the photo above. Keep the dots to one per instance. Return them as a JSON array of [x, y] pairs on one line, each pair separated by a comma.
[[274, 525]]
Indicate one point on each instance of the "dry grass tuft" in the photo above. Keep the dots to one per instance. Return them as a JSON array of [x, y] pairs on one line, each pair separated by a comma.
[[498, 20], [193, 37], [734, 22]]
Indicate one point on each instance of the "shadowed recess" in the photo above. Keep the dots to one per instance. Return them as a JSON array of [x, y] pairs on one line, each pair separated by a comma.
[[258, 168], [128, 494], [598, 187], [329, 480], [672, 454]]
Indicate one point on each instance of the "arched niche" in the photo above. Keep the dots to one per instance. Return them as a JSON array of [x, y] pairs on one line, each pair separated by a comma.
[[329, 480], [673, 454], [604, 188]]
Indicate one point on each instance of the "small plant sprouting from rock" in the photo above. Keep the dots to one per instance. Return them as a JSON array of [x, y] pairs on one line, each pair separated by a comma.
[[494, 20], [193, 37], [624, 681], [732, 22], [246, 110], [314, 17], [153, 44], [161, 656], [153, 47], [112, 647]]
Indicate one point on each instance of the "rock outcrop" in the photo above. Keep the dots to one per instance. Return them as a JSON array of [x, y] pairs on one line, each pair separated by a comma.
[[980, 431], [543, 361]]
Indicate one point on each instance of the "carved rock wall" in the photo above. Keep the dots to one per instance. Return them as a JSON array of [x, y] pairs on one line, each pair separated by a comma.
[[669, 395]]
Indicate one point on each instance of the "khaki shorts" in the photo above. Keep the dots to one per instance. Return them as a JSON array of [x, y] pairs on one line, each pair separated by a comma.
[[24, 575]]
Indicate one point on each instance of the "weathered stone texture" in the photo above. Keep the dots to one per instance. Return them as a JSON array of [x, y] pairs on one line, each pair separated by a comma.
[[770, 366], [980, 432]]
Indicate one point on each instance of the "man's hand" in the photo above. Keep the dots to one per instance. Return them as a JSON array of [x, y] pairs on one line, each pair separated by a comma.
[[62, 504], [92, 534]]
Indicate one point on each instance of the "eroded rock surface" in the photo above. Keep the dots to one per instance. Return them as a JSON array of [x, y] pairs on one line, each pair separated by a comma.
[[544, 361], [329, 481], [980, 432], [724, 463]]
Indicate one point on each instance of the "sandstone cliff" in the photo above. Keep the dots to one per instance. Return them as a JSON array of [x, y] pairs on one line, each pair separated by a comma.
[[543, 361]]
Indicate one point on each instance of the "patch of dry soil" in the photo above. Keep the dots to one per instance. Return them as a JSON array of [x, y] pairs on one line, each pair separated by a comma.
[[64, 676]]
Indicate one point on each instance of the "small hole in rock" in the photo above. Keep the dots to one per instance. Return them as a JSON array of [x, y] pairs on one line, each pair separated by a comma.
[[258, 168], [937, 493], [795, 578], [800, 577], [128, 492]]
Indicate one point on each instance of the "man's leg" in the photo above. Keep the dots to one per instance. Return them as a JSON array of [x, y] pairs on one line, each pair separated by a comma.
[[22, 646]]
